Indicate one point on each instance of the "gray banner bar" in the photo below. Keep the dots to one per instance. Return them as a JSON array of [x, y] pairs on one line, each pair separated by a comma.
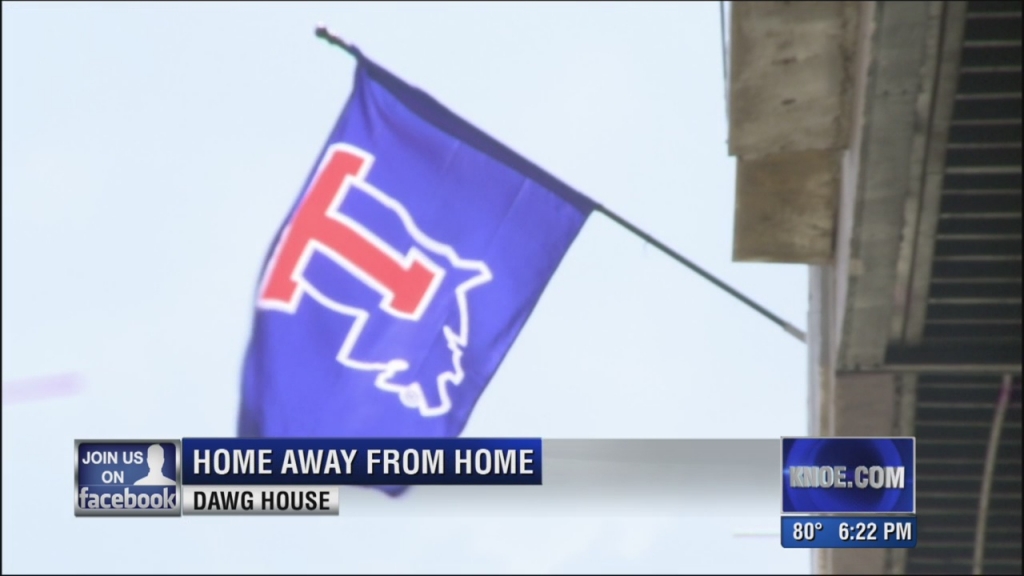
[[626, 478], [261, 500]]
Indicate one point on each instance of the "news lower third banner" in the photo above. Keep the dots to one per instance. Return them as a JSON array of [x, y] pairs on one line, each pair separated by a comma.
[[282, 476], [451, 477], [848, 493]]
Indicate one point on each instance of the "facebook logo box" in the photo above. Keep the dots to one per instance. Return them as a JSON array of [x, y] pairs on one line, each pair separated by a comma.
[[127, 477]]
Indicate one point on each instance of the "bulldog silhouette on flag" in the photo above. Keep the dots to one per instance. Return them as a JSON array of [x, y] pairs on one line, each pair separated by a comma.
[[413, 257]]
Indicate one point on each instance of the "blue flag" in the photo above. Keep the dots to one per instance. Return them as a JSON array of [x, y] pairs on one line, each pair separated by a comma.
[[406, 269]]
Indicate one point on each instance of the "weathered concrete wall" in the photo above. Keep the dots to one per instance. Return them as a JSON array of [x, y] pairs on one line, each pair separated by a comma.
[[865, 405], [888, 213], [786, 206], [852, 298], [873, 209], [789, 116], [787, 77]]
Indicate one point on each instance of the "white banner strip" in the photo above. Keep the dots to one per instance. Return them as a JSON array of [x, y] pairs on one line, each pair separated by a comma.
[[281, 500]]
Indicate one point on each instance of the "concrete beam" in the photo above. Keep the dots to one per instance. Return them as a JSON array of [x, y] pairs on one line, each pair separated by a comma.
[[914, 270], [859, 413], [786, 207], [854, 300], [789, 85], [866, 405], [883, 171], [787, 77]]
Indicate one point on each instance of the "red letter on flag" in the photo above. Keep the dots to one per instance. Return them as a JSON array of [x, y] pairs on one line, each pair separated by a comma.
[[405, 285]]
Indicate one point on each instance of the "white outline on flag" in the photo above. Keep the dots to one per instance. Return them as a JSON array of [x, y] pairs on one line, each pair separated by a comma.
[[411, 395]]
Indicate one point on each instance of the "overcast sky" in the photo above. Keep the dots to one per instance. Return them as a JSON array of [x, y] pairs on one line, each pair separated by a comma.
[[151, 151]]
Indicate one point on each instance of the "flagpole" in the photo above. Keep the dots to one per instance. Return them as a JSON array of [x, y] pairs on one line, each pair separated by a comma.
[[323, 33], [789, 328]]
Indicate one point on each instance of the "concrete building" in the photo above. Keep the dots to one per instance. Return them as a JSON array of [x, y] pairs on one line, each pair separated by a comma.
[[880, 143]]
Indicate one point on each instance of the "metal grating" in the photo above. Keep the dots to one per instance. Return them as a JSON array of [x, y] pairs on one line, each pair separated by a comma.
[[974, 310]]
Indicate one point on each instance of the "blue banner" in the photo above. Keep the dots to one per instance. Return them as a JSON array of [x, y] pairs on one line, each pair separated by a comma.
[[849, 532], [848, 476], [361, 461], [412, 258]]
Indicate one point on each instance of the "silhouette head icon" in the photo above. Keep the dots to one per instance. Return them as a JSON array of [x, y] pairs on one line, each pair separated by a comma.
[[155, 459], [155, 462]]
